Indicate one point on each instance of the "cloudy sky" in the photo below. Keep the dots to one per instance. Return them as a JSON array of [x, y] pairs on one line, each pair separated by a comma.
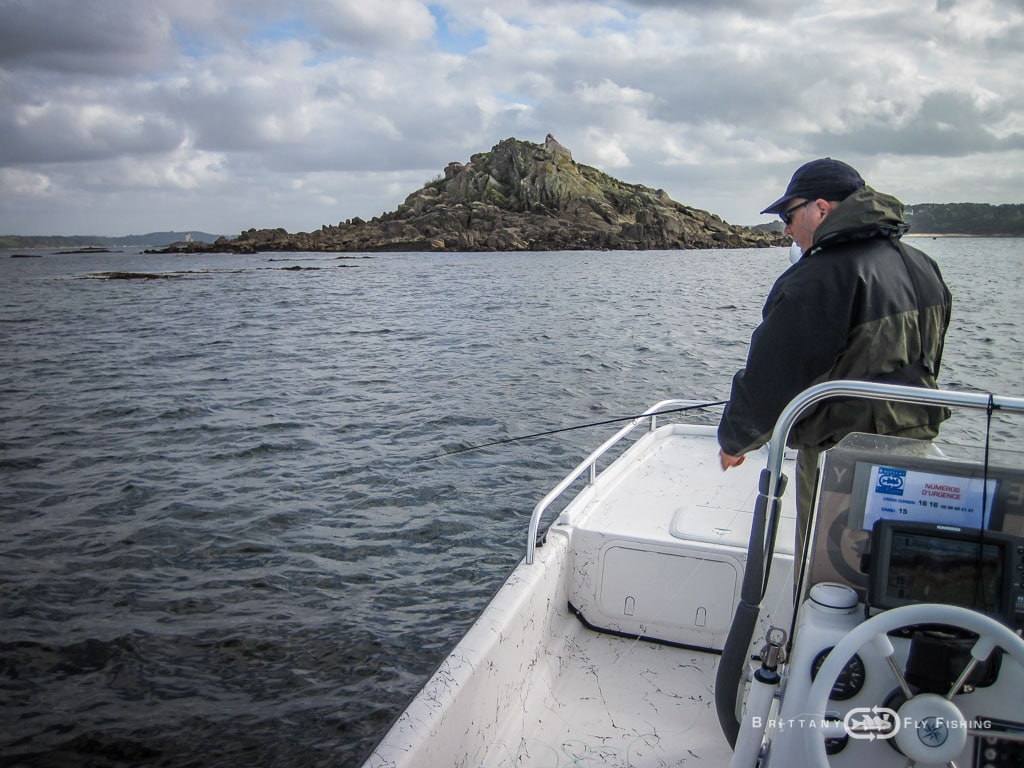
[[123, 116]]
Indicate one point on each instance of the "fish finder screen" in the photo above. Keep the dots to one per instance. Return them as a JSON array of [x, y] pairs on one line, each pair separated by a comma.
[[932, 569]]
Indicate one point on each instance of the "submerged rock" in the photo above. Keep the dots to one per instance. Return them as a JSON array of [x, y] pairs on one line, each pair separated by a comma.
[[131, 276]]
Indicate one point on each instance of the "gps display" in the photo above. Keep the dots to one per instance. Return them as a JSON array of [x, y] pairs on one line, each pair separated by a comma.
[[933, 563]]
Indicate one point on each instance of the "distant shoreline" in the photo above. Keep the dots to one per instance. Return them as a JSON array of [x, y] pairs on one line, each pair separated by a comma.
[[934, 235]]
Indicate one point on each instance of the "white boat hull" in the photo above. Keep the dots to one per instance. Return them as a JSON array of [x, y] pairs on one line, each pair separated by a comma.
[[531, 685], [606, 644]]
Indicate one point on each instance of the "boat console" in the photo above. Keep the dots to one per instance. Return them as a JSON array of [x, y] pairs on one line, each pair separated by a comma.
[[905, 648]]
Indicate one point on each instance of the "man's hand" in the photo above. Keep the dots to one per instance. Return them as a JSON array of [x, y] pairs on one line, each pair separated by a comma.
[[728, 461]]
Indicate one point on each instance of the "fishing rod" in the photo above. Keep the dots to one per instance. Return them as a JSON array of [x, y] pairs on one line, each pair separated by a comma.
[[546, 433]]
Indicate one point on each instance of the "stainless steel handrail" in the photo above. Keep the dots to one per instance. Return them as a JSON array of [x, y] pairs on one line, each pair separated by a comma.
[[872, 391], [589, 465], [776, 448]]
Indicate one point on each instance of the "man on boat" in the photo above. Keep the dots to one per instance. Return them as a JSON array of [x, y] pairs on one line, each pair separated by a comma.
[[859, 304]]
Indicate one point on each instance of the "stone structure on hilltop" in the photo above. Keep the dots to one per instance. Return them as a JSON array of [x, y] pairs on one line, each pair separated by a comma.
[[520, 196], [556, 149]]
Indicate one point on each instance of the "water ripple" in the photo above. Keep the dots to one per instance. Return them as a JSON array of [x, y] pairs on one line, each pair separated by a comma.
[[232, 532]]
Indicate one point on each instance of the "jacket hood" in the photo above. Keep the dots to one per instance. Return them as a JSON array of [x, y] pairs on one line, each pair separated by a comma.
[[866, 213]]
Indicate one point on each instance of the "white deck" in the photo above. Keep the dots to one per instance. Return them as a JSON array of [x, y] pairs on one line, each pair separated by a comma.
[[620, 702], [674, 481]]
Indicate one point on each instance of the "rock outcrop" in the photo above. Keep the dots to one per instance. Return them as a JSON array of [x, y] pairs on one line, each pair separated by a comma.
[[520, 196]]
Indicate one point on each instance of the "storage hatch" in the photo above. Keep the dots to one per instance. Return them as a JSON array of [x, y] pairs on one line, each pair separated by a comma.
[[693, 591]]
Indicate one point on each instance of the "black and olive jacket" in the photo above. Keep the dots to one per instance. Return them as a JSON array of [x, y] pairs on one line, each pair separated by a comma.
[[859, 304]]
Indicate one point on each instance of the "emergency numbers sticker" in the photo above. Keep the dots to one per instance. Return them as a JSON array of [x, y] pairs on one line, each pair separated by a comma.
[[906, 494]]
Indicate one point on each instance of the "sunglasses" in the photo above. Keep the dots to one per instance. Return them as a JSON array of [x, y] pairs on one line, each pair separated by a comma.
[[787, 216]]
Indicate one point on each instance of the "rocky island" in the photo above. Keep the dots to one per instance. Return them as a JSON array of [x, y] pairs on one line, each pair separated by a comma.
[[520, 196]]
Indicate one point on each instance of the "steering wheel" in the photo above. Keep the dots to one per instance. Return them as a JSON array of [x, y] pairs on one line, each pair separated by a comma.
[[931, 743]]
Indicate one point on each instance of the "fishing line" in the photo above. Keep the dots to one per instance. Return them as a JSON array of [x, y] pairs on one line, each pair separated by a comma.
[[546, 433]]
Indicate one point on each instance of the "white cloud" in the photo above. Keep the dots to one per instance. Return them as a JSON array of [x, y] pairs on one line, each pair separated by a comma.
[[19, 183], [255, 113], [186, 168], [606, 151], [380, 23], [609, 94]]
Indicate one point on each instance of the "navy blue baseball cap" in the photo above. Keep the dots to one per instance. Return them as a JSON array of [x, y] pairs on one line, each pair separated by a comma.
[[824, 179]]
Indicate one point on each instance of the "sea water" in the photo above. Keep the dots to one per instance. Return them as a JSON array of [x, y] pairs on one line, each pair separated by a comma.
[[233, 530]]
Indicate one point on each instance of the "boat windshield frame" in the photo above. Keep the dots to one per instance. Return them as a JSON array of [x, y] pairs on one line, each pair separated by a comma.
[[773, 485]]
